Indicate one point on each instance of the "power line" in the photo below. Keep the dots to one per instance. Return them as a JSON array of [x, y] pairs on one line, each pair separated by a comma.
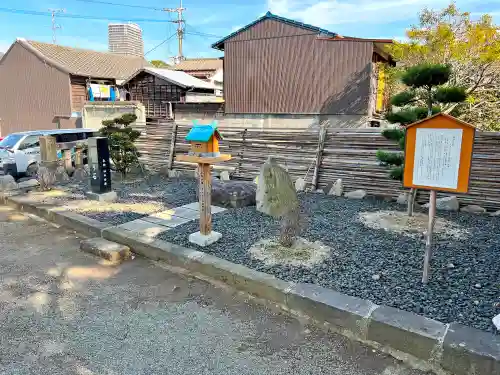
[[120, 5], [78, 16], [160, 44]]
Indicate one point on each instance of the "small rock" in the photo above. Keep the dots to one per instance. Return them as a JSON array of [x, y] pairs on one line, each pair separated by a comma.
[[473, 209], [174, 173], [356, 194], [376, 277], [300, 184], [28, 183], [175, 288], [337, 188], [496, 322], [450, 265], [7, 183], [224, 176], [496, 213], [476, 302], [319, 191], [402, 198], [446, 204], [478, 286]]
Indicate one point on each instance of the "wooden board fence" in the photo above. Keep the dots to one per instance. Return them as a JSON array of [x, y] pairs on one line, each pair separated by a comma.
[[348, 154]]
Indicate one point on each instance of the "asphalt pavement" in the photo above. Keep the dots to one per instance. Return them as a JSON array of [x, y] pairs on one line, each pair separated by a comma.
[[66, 312]]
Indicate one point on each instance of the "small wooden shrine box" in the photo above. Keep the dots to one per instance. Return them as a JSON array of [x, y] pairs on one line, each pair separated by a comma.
[[204, 140]]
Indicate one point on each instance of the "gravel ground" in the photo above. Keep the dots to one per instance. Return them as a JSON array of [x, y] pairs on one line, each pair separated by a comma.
[[375, 264], [136, 199]]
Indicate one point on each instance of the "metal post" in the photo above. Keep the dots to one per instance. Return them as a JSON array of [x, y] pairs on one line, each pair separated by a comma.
[[428, 241]]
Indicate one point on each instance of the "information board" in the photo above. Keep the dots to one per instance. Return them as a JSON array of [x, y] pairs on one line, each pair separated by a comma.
[[437, 157]]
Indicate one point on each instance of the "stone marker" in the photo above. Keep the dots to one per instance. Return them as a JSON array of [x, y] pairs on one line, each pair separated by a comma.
[[402, 198], [108, 250], [48, 162], [356, 194], [473, 209], [61, 174], [7, 183], [276, 194], [446, 204], [300, 184], [337, 188]]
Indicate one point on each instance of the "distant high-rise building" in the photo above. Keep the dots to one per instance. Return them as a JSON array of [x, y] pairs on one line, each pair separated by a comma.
[[125, 39]]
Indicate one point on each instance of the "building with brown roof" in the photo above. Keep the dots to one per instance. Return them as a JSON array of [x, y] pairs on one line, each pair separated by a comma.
[[202, 68], [42, 82], [284, 73]]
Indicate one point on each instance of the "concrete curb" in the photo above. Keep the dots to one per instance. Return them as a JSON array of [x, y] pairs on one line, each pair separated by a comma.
[[452, 347]]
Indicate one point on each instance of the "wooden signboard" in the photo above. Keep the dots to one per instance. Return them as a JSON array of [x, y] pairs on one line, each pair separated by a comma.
[[438, 157], [438, 154]]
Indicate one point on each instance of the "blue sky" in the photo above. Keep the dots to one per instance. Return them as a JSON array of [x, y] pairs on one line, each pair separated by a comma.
[[361, 18]]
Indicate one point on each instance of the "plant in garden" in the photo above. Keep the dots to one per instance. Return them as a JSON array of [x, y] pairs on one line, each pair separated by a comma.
[[471, 47], [121, 138], [427, 90]]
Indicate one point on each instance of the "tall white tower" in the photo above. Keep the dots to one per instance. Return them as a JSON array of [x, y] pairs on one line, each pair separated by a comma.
[[125, 39]]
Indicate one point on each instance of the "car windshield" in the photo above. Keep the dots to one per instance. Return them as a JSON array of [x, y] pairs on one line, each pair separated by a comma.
[[10, 141]]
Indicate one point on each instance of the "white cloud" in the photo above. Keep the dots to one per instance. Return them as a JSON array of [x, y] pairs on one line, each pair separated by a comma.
[[334, 12]]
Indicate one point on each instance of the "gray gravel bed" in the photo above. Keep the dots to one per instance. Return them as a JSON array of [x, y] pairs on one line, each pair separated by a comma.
[[375, 264], [155, 195]]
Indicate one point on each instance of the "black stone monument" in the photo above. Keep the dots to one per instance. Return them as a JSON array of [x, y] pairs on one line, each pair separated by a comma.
[[100, 171]]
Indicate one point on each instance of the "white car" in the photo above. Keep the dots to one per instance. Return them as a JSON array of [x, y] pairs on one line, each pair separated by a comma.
[[20, 152]]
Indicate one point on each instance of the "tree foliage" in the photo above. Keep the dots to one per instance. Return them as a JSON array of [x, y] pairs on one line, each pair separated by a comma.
[[121, 138], [159, 64], [471, 48]]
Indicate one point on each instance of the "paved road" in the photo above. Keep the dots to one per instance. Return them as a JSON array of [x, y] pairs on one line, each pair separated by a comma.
[[65, 312]]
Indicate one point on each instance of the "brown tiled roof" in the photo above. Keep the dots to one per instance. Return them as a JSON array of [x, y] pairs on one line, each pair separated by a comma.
[[88, 63], [199, 64]]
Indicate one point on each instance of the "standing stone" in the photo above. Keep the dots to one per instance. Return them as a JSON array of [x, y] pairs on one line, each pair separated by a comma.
[[46, 173], [46, 178], [473, 209], [300, 184], [48, 151], [68, 165], [7, 183], [356, 194], [276, 193], [337, 188], [224, 176], [60, 174]]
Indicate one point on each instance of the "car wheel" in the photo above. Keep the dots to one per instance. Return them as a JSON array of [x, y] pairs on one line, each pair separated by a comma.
[[32, 170]]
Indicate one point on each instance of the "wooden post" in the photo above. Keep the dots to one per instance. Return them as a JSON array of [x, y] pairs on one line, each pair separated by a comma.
[[173, 140], [205, 195], [319, 156], [428, 241]]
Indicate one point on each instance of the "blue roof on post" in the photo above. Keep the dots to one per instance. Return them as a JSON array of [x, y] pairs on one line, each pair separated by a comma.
[[220, 44], [203, 133]]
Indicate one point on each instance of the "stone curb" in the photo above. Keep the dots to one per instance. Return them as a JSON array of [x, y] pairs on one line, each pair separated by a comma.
[[452, 347]]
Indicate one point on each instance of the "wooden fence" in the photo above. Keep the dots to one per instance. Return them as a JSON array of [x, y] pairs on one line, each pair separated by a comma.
[[320, 157]]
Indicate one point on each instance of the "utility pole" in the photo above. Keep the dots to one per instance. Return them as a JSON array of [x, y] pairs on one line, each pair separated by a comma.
[[55, 26], [180, 29]]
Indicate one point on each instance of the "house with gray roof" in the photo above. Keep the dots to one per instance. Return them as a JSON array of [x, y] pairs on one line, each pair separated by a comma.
[[42, 82]]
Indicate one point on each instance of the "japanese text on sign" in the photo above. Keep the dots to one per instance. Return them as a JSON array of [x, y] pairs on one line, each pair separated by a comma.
[[437, 157]]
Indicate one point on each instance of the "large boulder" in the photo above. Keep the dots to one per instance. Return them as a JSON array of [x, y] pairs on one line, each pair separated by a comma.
[[473, 209], [233, 194], [7, 183], [276, 194], [446, 204]]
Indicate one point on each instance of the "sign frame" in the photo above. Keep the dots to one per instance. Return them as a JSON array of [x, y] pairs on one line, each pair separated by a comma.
[[440, 121]]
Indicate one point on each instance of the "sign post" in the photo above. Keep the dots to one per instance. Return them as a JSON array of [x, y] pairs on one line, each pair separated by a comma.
[[438, 157]]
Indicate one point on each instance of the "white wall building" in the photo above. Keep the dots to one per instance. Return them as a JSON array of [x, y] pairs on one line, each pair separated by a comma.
[[125, 39]]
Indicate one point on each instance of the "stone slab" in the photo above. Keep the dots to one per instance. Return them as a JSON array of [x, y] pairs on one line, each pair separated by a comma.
[[108, 250], [196, 206], [103, 197], [144, 227], [410, 333], [186, 213], [166, 220], [204, 239], [326, 305], [469, 351]]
